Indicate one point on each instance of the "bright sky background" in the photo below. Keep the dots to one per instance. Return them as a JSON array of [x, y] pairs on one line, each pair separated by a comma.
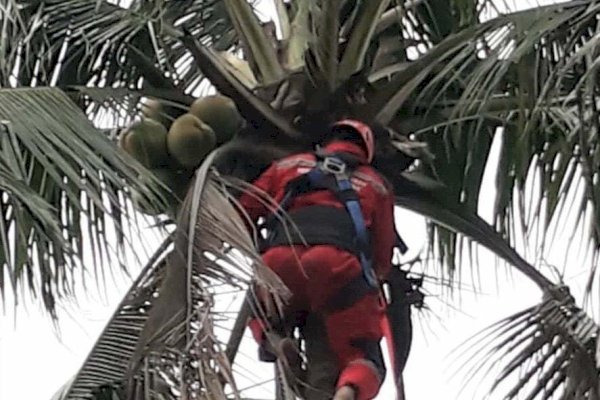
[[35, 362]]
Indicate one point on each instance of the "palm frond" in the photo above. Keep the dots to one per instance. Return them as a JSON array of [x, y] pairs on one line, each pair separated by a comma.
[[284, 20], [104, 44], [119, 107], [107, 362], [438, 19], [256, 111], [167, 316], [525, 80], [212, 247], [437, 207], [260, 48], [78, 42], [545, 352], [301, 36], [325, 49], [64, 188], [360, 37]]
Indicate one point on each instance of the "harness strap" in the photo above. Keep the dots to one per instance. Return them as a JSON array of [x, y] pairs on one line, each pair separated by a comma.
[[345, 193], [353, 207]]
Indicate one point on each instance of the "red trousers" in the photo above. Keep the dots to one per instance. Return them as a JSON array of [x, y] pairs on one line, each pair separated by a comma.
[[315, 275]]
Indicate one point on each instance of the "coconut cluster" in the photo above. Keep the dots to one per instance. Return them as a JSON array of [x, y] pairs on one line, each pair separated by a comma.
[[172, 150]]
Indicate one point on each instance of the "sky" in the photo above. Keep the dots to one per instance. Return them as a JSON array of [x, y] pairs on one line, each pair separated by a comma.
[[35, 360]]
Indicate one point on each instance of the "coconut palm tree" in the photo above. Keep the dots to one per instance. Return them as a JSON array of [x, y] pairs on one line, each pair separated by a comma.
[[449, 80]]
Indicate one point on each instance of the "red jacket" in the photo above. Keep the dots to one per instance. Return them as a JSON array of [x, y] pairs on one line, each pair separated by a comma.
[[376, 197]]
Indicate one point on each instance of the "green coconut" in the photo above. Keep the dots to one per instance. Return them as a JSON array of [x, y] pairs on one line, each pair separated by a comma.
[[146, 141], [123, 139], [151, 108], [154, 109], [190, 140], [220, 113]]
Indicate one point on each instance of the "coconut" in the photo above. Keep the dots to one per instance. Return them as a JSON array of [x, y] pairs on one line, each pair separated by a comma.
[[190, 140], [154, 109], [151, 108], [146, 140], [124, 143], [220, 113], [123, 139]]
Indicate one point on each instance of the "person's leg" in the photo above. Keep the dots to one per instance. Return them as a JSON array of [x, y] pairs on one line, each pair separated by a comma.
[[322, 366], [273, 333], [354, 335], [283, 260], [352, 315]]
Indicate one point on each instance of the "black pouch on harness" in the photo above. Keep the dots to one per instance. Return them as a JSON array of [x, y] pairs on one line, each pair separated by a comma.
[[313, 225]]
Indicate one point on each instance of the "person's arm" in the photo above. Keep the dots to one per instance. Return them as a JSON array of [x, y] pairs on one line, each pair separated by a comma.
[[383, 234], [253, 201]]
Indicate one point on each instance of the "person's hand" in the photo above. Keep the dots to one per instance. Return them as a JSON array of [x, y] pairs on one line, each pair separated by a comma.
[[268, 303]]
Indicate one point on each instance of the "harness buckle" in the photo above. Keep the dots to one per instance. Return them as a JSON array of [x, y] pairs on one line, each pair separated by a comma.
[[333, 165]]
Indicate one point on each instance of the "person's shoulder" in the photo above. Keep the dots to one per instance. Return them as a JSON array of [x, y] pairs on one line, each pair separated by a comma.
[[296, 160], [369, 175]]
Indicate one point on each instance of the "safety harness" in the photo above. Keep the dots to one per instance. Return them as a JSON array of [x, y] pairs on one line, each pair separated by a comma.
[[312, 225]]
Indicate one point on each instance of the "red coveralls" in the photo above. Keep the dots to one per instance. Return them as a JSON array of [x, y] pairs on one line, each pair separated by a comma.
[[324, 270]]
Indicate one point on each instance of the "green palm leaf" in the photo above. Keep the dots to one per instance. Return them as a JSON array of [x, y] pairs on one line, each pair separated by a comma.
[[259, 48], [64, 187], [548, 352], [166, 314], [107, 362], [80, 41], [498, 79], [253, 109], [369, 13], [207, 223], [326, 47]]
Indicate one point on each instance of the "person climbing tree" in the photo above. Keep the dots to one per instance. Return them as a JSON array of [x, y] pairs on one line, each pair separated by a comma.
[[333, 255]]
